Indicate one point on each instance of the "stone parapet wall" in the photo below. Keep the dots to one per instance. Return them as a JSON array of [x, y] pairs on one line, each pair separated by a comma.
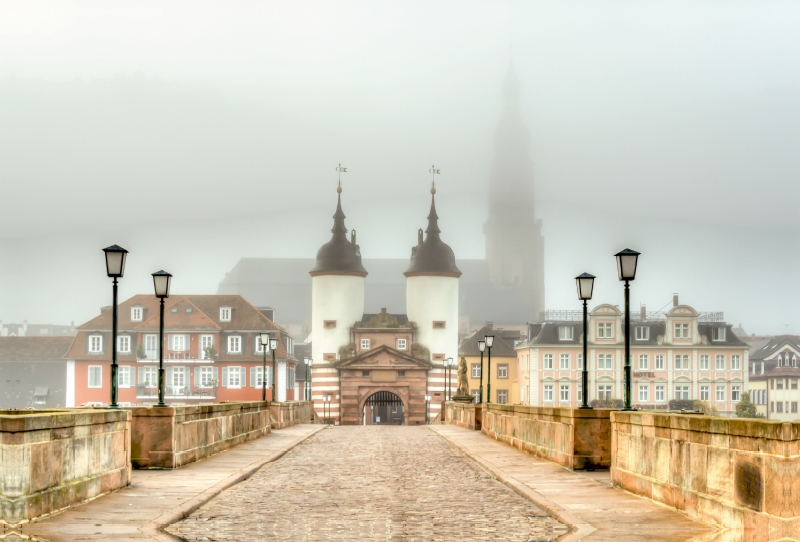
[[291, 413], [466, 415], [54, 459], [169, 437], [577, 439], [743, 474]]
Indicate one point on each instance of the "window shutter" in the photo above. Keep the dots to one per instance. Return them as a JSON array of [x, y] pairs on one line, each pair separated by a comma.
[[141, 375], [197, 371], [225, 371], [170, 371], [216, 374], [253, 376], [270, 377]]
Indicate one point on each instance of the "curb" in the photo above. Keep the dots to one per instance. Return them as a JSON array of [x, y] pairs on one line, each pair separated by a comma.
[[580, 528], [155, 529]]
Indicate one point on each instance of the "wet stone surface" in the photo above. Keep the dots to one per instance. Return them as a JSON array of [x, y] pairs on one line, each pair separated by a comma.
[[370, 483]]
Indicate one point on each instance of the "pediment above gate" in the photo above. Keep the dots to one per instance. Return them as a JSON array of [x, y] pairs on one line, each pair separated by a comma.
[[383, 356]]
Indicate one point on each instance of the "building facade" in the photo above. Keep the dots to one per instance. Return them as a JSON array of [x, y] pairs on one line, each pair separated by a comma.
[[504, 371], [674, 356], [378, 368], [32, 371], [212, 353], [775, 378]]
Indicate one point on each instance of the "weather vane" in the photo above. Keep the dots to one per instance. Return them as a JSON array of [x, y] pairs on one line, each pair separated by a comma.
[[434, 172], [341, 170]]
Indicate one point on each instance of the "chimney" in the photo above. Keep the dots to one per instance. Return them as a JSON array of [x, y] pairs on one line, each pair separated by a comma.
[[674, 300], [643, 313]]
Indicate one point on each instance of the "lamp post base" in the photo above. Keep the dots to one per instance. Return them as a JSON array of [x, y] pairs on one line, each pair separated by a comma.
[[585, 408]]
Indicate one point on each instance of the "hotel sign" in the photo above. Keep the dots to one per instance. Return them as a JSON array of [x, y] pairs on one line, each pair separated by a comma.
[[644, 375]]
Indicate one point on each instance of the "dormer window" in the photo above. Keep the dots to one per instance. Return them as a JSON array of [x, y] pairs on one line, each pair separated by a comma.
[[681, 331], [95, 344], [565, 333], [224, 314], [136, 314], [605, 330], [642, 333], [718, 334]]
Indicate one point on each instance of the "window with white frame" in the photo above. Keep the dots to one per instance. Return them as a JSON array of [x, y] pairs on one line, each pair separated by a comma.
[[232, 377], [124, 376], [736, 393], [720, 362], [206, 377], [681, 331], [151, 346], [642, 333], [178, 379], [718, 334], [234, 344], [659, 362], [682, 392], [502, 397], [580, 393], [736, 362], [502, 370], [564, 362], [644, 362], [148, 377], [177, 342], [565, 333], [95, 376], [681, 362], [548, 361], [563, 393], [661, 393], [605, 330], [476, 396], [580, 362], [704, 362], [548, 393], [259, 346], [605, 362], [705, 392], [604, 391], [136, 314], [206, 345], [644, 393], [721, 393], [364, 344], [224, 314], [476, 370], [95, 344], [124, 344], [401, 344]]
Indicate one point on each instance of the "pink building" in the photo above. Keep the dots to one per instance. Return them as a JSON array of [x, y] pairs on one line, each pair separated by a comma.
[[679, 355]]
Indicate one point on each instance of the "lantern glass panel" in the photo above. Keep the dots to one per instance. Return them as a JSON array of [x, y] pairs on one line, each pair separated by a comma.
[[273, 343], [626, 264], [161, 283], [585, 285], [489, 340], [482, 345], [115, 260]]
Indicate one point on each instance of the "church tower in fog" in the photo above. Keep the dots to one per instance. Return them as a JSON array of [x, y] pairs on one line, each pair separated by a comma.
[[514, 242]]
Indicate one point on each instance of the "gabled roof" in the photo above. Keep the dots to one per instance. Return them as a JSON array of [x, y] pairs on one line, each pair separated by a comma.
[[181, 314], [503, 343], [776, 345], [402, 359], [33, 348]]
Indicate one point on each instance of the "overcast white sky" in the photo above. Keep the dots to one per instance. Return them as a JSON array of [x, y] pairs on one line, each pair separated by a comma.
[[675, 125]]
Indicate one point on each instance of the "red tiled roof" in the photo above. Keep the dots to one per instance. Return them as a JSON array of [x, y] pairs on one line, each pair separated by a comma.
[[33, 348]]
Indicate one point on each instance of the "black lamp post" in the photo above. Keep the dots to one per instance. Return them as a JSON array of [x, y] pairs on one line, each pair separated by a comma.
[[273, 345], [481, 347], [626, 269], [161, 282], [115, 267], [427, 404], [264, 346], [585, 283], [489, 343], [309, 362]]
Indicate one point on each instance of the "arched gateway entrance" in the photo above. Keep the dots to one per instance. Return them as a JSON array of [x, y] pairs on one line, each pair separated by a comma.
[[383, 408]]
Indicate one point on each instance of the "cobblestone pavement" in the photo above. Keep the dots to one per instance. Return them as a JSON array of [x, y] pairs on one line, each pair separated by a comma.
[[370, 483]]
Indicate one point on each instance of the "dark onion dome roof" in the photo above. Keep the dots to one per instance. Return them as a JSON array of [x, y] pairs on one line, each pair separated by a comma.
[[339, 256], [432, 256]]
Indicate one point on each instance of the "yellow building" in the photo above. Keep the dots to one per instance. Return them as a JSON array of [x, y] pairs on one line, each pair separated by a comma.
[[504, 375]]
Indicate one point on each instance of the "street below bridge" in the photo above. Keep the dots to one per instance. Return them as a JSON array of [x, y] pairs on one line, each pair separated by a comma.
[[370, 483]]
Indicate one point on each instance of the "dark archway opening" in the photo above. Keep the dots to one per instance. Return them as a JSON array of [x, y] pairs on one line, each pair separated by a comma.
[[384, 408]]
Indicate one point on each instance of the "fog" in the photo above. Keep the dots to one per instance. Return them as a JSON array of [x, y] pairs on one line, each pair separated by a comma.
[[197, 133]]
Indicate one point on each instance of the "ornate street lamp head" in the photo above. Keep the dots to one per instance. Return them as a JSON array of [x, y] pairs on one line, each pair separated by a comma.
[[115, 260], [585, 283], [161, 282], [626, 264], [273, 343], [264, 339], [489, 340], [482, 345]]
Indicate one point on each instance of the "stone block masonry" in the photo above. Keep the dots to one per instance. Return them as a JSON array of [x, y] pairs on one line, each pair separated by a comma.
[[169, 437], [741, 474], [51, 460], [291, 413], [466, 415], [577, 439]]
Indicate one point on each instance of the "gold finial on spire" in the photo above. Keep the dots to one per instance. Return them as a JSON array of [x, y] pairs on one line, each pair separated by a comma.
[[341, 170], [433, 171]]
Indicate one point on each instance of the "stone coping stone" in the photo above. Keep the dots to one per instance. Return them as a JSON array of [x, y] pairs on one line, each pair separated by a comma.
[[14, 421], [740, 427]]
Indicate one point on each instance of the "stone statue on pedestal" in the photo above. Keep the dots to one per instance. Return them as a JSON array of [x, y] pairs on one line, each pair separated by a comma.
[[462, 394]]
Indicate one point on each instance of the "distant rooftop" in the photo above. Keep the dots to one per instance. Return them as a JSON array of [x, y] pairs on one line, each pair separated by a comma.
[[636, 316]]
